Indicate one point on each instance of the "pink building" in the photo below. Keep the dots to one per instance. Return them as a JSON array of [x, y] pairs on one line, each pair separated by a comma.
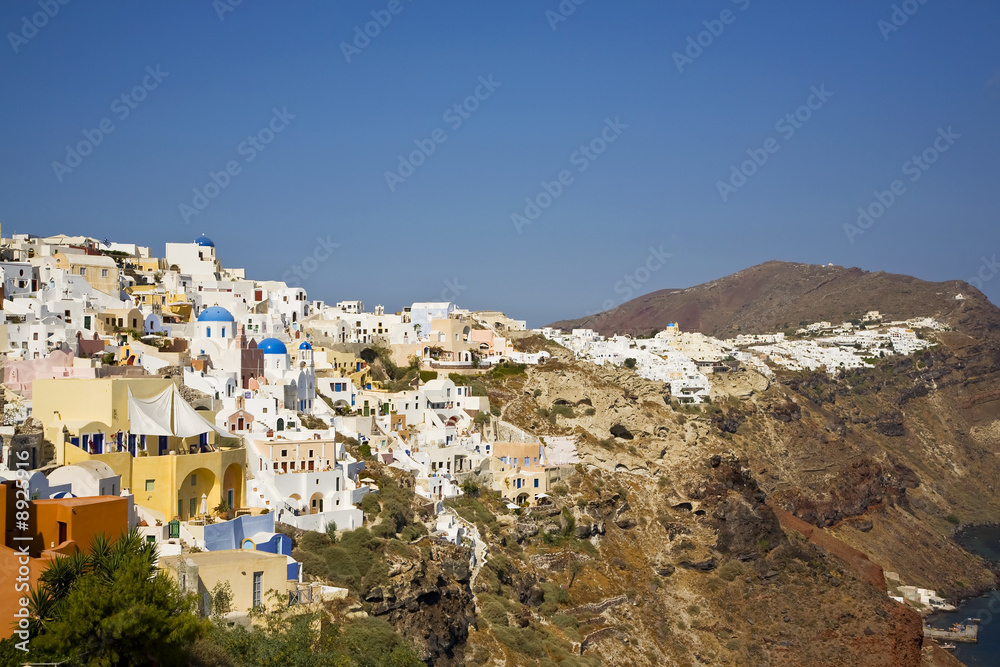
[[20, 375]]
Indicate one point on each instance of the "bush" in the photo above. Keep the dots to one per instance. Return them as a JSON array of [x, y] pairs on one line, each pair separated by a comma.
[[413, 531], [370, 505], [314, 542], [523, 640], [730, 570], [505, 370], [952, 519], [372, 641], [384, 530], [494, 613], [427, 376], [563, 411], [630, 363]]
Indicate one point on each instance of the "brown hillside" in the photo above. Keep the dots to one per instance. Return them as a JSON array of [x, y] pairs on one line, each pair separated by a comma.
[[776, 295]]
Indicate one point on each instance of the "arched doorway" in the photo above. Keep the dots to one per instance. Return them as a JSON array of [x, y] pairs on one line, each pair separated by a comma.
[[197, 483], [316, 503], [233, 486]]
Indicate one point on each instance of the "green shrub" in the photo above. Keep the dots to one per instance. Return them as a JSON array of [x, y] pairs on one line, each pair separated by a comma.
[[369, 504], [385, 530], [413, 531], [565, 411], [952, 519], [427, 376], [314, 542], [730, 570], [505, 370], [523, 640], [494, 613]]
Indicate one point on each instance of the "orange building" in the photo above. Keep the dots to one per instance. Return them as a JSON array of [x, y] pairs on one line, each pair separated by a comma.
[[60, 526]]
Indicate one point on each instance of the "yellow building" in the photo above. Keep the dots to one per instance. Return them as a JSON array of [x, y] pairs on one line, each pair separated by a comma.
[[178, 306], [114, 320], [252, 576], [100, 271], [152, 296], [520, 472], [165, 451]]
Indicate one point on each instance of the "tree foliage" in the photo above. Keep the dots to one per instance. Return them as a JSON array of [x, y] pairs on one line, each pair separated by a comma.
[[111, 606]]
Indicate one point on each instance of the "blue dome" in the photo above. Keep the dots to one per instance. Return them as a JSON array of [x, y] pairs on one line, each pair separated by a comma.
[[215, 314], [205, 241], [272, 346], [305, 346]]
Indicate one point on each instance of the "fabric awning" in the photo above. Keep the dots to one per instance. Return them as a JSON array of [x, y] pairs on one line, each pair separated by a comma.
[[168, 413], [150, 416]]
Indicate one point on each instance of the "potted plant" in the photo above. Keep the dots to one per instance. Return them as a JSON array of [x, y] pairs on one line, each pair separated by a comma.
[[222, 510]]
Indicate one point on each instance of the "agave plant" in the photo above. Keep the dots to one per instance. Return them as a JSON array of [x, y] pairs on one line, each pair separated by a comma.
[[63, 572], [41, 606]]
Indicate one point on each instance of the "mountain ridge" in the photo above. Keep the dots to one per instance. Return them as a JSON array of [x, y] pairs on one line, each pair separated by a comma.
[[776, 295]]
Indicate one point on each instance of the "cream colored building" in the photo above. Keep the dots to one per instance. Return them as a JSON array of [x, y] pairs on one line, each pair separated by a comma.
[[100, 271], [251, 574]]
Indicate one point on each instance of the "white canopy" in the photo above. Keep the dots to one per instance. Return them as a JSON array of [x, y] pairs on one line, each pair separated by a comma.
[[150, 416], [168, 413]]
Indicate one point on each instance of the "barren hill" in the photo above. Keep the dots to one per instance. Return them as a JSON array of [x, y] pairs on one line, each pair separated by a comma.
[[776, 295]]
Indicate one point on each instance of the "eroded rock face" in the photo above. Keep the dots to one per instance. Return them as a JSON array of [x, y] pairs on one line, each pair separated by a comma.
[[744, 523], [860, 485], [428, 601]]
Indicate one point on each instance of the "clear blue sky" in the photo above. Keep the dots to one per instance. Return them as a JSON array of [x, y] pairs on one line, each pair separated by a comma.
[[446, 228]]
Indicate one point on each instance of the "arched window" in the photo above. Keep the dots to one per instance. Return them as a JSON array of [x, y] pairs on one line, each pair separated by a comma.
[[208, 332], [223, 332]]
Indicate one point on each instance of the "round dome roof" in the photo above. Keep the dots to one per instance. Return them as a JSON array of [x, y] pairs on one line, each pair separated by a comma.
[[272, 346], [215, 314], [205, 241], [305, 346]]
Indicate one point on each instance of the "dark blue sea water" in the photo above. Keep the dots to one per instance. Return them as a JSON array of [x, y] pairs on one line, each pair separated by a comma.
[[985, 541]]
